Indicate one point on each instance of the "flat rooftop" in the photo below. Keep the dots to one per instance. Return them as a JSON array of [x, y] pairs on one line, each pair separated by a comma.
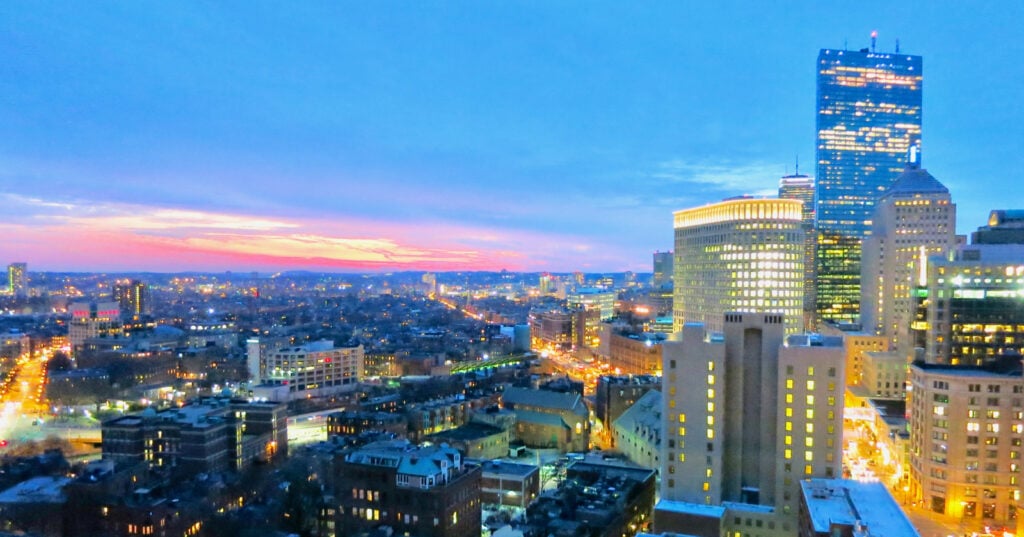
[[843, 501], [36, 490], [673, 506], [508, 468], [469, 431]]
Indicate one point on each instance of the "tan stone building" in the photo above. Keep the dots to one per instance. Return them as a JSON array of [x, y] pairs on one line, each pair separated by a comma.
[[965, 441]]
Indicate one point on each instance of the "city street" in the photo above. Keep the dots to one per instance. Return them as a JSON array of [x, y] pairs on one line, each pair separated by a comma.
[[864, 461]]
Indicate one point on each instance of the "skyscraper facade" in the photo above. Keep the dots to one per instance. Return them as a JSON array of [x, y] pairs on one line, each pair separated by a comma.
[[131, 295], [748, 415], [741, 254], [869, 127], [17, 279], [801, 187], [662, 269], [914, 220], [974, 305]]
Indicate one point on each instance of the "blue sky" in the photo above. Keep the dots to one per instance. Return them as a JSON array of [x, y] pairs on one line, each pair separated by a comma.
[[448, 135]]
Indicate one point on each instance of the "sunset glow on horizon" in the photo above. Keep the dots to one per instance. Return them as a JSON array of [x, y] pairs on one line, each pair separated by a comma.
[[456, 136]]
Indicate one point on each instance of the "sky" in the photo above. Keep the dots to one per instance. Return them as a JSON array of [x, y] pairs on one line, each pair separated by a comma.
[[373, 136]]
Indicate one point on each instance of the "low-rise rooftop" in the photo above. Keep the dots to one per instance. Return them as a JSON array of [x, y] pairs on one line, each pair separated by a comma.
[[867, 508], [36, 490]]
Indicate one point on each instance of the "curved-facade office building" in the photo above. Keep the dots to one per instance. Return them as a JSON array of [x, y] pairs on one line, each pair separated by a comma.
[[741, 254]]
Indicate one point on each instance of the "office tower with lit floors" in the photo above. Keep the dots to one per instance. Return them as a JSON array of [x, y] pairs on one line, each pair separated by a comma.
[[741, 254], [868, 124], [967, 397], [914, 220], [801, 187], [749, 414]]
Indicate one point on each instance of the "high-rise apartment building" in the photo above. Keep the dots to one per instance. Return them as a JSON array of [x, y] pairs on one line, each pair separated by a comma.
[[914, 220], [662, 269], [801, 187], [17, 279], [741, 254], [748, 416], [869, 127], [131, 295], [91, 320]]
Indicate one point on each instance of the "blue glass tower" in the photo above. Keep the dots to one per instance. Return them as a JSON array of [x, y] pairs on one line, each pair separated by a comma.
[[869, 125]]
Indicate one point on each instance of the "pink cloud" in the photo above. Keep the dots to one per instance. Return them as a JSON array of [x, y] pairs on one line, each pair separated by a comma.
[[129, 237]]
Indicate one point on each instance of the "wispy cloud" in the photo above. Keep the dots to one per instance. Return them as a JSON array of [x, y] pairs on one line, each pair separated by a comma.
[[150, 219], [134, 217], [143, 236], [756, 178], [311, 246]]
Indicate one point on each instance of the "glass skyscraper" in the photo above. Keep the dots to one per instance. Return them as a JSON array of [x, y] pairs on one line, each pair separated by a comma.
[[869, 126], [801, 187]]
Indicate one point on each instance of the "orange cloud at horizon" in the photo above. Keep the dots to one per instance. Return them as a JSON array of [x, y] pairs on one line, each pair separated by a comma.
[[104, 237]]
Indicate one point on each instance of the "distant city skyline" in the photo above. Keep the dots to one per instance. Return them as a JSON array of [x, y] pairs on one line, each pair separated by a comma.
[[457, 136]]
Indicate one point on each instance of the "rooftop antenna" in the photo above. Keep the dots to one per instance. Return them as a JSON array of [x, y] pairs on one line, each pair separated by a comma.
[[874, 37], [797, 158], [897, 46], [844, 44]]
